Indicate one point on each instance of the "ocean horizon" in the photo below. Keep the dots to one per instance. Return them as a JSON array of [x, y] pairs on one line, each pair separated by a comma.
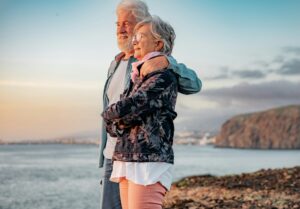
[[50, 176]]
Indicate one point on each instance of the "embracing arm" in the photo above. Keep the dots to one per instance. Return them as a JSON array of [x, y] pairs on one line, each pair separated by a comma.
[[188, 82]]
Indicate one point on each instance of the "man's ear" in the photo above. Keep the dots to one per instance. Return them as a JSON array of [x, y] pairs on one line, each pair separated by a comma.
[[159, 46]]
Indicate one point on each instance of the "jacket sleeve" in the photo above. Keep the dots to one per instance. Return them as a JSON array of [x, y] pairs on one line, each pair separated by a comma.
[[111, 128], [153, 94], [188, 82]]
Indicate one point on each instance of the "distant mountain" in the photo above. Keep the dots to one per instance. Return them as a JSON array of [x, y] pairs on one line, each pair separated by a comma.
[[272, 129], [90, 137], [53, 141]]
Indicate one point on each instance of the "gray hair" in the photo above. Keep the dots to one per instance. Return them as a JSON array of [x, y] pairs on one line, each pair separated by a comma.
[[138, 8], [160, 30]]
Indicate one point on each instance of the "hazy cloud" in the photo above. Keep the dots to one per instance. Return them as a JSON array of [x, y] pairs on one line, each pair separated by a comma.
[[249, 74], [217, 77], [288, 66], [261, 63], [239, 99], [204, 120], [223, 74], [244, 74], [292, 49], [291, 67], [280, 92], [278, 59]]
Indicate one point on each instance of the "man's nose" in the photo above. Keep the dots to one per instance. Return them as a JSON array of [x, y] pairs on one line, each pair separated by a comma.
[[121, 29]]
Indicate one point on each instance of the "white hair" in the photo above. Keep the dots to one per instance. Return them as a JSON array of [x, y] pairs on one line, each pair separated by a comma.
[[160, 30], [138, 8]]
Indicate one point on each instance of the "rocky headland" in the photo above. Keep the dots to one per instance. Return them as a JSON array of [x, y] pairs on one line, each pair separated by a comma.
[[268, 189], [272, 129]]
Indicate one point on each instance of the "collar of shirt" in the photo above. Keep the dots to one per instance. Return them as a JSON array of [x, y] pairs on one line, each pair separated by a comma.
[[135, 71]]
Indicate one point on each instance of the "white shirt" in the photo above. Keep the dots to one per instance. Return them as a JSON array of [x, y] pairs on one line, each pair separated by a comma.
[[115, 89], [143, 173]]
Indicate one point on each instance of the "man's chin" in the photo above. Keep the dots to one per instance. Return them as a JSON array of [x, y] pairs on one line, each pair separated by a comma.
[[125, 47]]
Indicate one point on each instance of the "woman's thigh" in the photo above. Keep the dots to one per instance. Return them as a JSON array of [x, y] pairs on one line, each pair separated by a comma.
[[123, 185], [145, 197]]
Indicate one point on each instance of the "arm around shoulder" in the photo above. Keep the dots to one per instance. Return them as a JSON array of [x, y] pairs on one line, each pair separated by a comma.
[[188, 81]]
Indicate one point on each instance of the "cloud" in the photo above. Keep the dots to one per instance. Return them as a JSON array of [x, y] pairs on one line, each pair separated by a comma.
[[291, 67], [239, 99], [243, 74], [261, 63], [278, 59], [245, 97], [280, 65], [218, 77], [292, 49], [223, 74], [280, 92], [202, 120], [249, 74]]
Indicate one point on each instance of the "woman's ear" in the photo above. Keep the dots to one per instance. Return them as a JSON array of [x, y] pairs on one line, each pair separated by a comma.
[[159, 46]]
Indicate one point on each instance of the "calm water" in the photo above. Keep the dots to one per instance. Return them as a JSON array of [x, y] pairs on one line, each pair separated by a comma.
[[66, 176]]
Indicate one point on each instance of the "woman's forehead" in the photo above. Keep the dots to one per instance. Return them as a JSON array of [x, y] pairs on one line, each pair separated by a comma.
[[144, 29]]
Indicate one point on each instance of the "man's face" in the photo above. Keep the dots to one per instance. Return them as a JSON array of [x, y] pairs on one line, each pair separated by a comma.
[[125, 26]]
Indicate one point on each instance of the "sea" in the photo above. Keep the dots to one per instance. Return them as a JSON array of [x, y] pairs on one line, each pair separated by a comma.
[[57, 176]]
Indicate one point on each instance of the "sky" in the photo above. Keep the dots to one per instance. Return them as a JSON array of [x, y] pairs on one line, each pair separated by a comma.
[[54, 56]]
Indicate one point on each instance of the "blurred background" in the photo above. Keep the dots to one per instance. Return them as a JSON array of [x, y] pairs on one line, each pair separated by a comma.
[[54, 57]]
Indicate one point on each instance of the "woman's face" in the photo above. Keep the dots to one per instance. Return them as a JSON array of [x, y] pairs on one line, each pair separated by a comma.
[[144, 42]]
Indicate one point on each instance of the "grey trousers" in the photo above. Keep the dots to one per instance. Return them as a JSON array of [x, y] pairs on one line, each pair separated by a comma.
[[109, 191]]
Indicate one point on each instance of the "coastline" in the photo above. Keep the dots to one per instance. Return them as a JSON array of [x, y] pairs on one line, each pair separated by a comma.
[[266, 188]]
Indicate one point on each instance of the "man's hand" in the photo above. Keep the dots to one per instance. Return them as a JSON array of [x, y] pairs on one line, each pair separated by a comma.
[[154, 64]]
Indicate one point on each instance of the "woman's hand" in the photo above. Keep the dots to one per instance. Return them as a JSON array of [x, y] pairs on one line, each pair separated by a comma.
[[121, 125]]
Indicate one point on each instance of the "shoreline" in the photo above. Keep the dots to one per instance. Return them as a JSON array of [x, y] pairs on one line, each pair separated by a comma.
[[97, 143], [266, 188], [49, 143]]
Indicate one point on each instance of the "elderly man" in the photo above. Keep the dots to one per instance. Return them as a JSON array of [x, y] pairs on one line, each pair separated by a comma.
[[129, 13]]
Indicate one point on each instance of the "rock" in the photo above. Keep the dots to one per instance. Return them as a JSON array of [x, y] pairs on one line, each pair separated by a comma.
[[272, 129], [267, 188]]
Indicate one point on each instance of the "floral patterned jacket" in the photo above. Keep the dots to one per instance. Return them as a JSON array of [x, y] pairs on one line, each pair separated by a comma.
[[143, 119]]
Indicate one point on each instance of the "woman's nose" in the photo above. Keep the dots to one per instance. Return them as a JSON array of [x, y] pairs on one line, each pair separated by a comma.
[[134, 42]]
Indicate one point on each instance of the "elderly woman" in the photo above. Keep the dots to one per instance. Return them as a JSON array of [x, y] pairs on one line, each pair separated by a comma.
[[143, 122]]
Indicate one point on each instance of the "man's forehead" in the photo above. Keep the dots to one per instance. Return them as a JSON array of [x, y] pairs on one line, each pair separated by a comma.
[[125, 15]]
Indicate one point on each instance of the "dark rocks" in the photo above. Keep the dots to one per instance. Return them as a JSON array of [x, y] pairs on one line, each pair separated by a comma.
[[268, 189], [273, 129]]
